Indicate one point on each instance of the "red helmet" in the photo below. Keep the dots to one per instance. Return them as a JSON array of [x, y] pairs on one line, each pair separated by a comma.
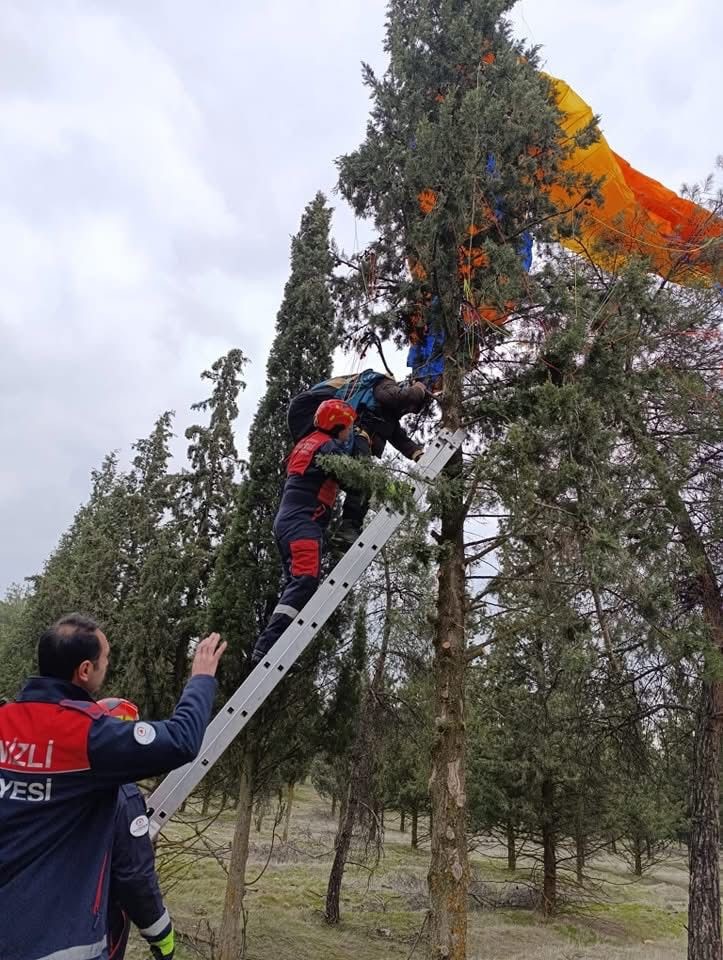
[[334, 413], [118, 707]]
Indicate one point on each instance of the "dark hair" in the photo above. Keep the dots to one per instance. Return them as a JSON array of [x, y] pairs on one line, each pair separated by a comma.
[[66, 644]]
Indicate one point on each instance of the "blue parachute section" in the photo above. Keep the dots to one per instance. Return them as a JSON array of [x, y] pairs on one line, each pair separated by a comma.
[[426, 358], [426, 355]]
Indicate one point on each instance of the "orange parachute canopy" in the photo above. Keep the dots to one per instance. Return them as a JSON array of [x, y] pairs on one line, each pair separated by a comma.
[[638, 215]]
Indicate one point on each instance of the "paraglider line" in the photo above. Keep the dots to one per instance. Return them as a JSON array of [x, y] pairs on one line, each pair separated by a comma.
[[678, 248]]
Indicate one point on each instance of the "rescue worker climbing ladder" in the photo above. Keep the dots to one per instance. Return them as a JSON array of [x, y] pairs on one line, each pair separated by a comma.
[[379, 403], [322, 423], [304, 513]]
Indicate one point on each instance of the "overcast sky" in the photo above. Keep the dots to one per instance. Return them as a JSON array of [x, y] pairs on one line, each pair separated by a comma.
[[155, 157]]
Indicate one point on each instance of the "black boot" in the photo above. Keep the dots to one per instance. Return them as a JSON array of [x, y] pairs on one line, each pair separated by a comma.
[[275, 627], [345, 535]]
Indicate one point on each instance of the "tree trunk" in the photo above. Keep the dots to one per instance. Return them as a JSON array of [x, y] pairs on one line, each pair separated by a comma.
[[343, 843], [401, 822], [415, 828], [704, 918], [343, 802], [376, 823], [261, 811], [549, 849], [580, 842], [289, 804], [614, 847], [511, 847], [232, 939], [361, 766], [448, 876], [637, 856]]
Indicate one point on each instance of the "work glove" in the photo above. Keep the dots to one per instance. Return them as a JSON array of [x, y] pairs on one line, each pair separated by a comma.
[[417, 454], [164, 949]]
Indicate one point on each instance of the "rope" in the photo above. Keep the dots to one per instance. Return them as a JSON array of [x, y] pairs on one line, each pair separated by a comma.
[[474, 195], [679, 247]]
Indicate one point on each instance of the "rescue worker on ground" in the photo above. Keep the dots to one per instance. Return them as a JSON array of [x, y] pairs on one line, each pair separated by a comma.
[[135, 896], [306, 507], [62, 759], [380, 403]]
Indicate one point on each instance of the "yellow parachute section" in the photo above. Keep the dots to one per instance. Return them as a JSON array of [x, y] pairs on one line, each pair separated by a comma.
[[638, 215]]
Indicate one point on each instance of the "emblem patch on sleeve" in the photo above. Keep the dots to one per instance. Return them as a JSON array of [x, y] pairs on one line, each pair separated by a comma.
[[144, 732], [139, 826]]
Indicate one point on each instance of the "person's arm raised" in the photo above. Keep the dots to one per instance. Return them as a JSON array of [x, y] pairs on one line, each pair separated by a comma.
[[120, 751]]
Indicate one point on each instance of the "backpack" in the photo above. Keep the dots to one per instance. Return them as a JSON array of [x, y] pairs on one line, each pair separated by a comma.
[[356, 389]]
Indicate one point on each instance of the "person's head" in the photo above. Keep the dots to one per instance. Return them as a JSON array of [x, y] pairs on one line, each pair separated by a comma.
[[120, 708], [76, 650], [336, 418], [413, 397]]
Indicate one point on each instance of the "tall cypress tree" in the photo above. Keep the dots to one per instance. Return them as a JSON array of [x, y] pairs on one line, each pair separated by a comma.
[[247, 576], [86, 570], [461, 137], [206, 496]]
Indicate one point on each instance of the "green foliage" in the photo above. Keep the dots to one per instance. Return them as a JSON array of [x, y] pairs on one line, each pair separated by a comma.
[[247, 575], [375, 479], [138, 554], [15, 655], [461, 111], [407, 746]]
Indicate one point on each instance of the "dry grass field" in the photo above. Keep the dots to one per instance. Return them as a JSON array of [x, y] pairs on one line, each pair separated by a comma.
[[383, 910]]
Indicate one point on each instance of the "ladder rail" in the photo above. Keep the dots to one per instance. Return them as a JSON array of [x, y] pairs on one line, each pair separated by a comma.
[[258, 686]]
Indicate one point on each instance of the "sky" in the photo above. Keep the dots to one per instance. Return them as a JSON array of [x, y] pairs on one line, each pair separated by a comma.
[[155, 158]]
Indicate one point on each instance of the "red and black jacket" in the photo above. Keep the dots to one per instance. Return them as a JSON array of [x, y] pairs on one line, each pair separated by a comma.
[[309, 492], [62, 759]]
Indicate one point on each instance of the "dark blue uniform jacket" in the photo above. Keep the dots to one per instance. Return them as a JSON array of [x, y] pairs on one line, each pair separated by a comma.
[[135, 896], [62, 759]]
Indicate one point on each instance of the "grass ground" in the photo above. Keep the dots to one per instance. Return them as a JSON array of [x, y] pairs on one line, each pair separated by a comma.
[[383, 911]]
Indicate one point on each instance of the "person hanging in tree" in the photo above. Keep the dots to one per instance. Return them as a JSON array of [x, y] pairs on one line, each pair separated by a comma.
[[380, 403], [306, 507]]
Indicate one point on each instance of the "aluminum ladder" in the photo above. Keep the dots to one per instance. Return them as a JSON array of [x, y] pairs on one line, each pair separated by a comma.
[[258, 686]]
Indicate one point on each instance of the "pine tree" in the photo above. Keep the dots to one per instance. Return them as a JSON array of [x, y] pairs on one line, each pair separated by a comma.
[[85, 570], [406, 751], [247, 574], [246, 578], [149, 598], [461, 137], [331, 769], [649, 356], [394, 609], [15, 653], [205, 497]]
